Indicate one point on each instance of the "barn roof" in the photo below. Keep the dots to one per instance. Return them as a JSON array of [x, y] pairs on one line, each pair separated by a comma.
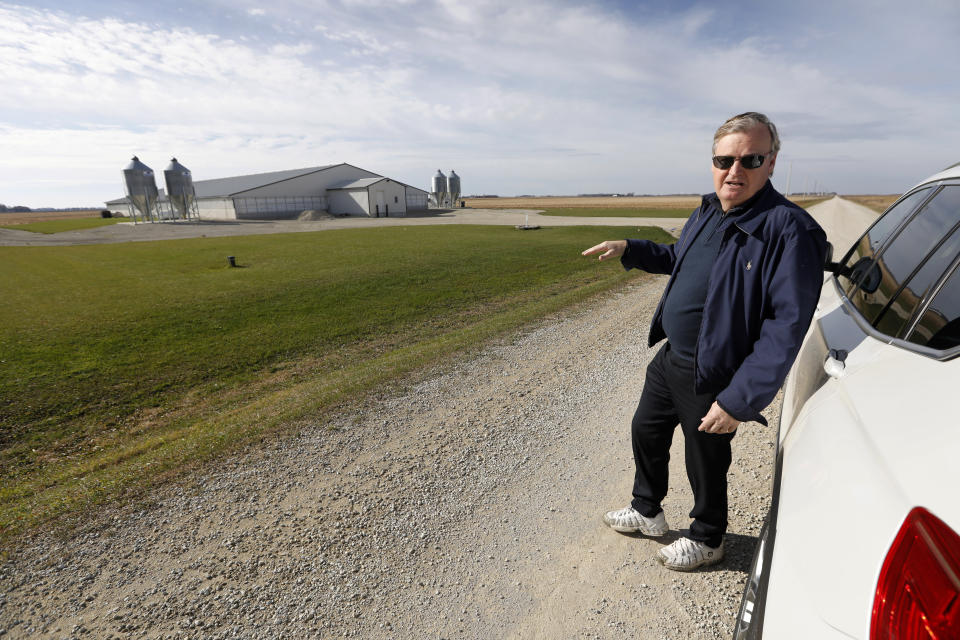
[[360, 183], [238, 184]]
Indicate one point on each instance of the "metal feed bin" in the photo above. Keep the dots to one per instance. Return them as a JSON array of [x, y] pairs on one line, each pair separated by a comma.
[[141, 189], [438, 189], [180, 191], [453, 187]]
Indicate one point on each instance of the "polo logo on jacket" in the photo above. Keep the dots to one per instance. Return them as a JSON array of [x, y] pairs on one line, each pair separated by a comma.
[[749, 265]]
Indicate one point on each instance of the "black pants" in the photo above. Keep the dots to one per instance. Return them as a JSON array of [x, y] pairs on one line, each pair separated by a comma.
[[668, 398]]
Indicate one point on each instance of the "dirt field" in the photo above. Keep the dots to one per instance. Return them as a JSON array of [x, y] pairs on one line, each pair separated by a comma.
[[27, 217], [638, 202], [690, 202], [877, 203]]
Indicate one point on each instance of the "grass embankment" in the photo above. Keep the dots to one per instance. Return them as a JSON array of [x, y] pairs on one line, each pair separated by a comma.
[[124, 364], [56, 226]]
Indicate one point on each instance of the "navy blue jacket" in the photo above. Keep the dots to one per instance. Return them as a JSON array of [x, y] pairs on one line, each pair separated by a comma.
[[762, 293]]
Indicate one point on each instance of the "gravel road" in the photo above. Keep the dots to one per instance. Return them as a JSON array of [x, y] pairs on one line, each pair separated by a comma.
[[466, 506]]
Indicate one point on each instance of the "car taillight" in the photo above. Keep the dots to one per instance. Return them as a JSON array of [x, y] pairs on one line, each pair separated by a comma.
[[918, 594]]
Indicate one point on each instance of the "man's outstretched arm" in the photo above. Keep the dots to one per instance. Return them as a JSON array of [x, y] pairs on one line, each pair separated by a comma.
[[608, 249]]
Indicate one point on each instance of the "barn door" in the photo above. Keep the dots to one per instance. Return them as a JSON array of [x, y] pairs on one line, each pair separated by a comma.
[[381, 203]]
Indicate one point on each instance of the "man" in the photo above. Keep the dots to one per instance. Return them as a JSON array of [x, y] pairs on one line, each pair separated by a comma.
[[745, 276]]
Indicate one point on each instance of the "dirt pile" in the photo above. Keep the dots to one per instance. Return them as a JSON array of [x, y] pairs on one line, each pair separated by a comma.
[[314, 214]]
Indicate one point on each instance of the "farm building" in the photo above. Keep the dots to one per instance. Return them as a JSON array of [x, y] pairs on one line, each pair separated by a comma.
[[340, 189]]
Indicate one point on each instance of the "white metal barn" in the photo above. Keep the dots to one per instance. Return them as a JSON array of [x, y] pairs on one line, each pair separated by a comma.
[[381, 196], [340, 189]]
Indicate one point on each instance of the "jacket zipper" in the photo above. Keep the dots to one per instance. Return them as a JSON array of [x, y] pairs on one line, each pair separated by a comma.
[[696, 348]]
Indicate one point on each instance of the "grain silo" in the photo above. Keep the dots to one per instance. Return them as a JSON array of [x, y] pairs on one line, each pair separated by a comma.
[[180, 191], [453, 187], [438, 189], [141, 188]]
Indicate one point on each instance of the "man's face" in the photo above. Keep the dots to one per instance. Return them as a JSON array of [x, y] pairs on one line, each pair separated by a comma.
[[737, 184]]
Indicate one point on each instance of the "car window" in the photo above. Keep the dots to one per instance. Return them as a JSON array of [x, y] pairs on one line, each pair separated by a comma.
[[944, 207], [904, 254], [860, 258], [939, 325], [896, 317]]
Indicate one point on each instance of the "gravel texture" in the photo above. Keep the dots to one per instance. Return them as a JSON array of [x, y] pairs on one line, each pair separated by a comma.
[[467, 506]]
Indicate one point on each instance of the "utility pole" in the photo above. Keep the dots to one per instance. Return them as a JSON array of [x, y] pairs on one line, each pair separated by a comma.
[[789, 174]]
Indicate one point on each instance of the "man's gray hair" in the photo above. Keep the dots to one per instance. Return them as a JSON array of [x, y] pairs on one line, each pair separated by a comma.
[[745, 122]]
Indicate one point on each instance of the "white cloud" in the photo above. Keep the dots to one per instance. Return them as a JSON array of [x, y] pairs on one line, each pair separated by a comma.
[[358, 41], [524, 96], [291, 50], [693, 22]]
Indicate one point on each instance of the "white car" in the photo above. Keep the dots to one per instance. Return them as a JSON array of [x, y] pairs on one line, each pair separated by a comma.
[[861, 539]]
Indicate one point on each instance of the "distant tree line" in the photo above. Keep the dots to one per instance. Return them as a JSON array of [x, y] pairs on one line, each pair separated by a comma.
[[5, 209], [20, 209], [605, 195]]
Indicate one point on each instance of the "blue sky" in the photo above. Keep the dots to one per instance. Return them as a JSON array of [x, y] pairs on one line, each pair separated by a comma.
[[517, 97]]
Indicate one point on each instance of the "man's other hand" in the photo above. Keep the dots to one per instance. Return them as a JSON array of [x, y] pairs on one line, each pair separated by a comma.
[[718, 421], [610, 249]]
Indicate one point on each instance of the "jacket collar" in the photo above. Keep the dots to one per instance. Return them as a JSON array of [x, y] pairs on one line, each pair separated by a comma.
[[751, 214]]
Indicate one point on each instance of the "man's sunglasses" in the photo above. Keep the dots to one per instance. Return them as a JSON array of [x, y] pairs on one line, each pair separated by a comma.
[[749, 161]]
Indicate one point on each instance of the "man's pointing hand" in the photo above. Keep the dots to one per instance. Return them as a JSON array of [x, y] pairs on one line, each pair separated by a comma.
[[610, 249]]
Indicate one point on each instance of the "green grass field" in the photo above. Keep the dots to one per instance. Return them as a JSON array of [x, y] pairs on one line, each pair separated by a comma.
[[56, 226], [611, 212], [124, 363]]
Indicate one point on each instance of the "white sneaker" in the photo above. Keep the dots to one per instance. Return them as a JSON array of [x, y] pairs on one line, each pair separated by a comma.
[[685, 554], [629, 520]]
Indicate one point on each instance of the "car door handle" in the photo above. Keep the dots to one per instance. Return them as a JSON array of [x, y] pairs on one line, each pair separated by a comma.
[[835, 364]]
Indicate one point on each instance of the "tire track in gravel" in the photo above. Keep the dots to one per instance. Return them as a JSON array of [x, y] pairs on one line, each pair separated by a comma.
[[467, 506]]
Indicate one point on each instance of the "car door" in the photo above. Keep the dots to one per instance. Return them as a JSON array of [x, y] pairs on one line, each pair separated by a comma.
[[851, 415]]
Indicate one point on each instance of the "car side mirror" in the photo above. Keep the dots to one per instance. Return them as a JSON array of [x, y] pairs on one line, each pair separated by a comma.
[[829, 265], [867, 273]]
